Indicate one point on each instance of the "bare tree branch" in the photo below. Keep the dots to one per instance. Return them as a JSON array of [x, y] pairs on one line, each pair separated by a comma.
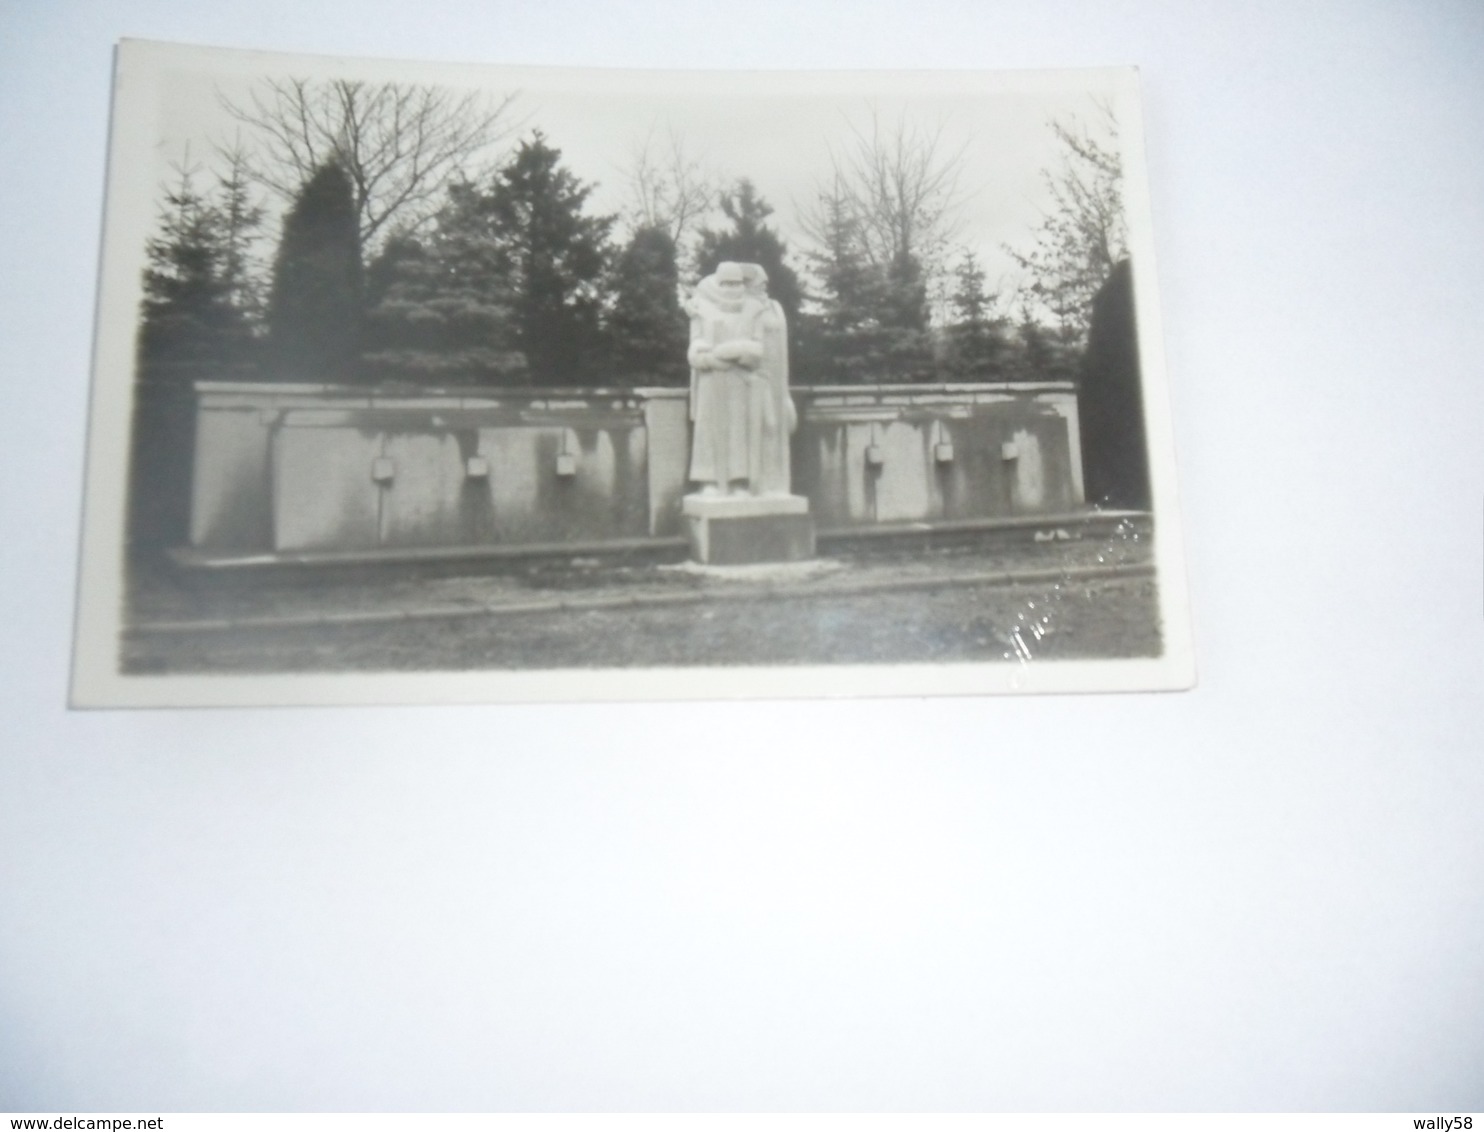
[[668, 188], [894, 186], [399, 144], [1083, 233]]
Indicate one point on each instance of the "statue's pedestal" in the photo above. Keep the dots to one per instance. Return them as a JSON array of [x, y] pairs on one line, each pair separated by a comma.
[[735, 530]]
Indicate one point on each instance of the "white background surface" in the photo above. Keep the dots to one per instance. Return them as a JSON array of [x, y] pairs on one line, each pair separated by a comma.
[[1267, 893]]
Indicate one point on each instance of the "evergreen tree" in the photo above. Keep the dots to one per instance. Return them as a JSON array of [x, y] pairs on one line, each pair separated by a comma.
[[314, 312], [870, 322], [646, 327], [1039, 353], [904, 318], [842, 340], [750, 239], [1115, 457], [241, 225], [553, 258], [194, 323], [440, 311], [890, 209], [975, 338]]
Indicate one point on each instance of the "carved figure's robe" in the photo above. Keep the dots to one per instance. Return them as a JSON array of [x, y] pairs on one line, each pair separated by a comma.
[[722, 393], [774, 408], [739, 392]]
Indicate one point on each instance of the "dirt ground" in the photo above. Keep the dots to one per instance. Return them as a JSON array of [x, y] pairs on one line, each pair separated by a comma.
[[1090, 598]]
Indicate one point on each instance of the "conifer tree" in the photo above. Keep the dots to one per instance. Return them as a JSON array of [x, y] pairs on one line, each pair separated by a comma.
[[241, 225], [1039, 353], [841, 339], [553, 258], [975, 339], [904, 318], [751, 239], [1110, 400], [870, 319], [646, 327], [440, 310], [893, 195], [195, 324], [314, 311], [194, 320]]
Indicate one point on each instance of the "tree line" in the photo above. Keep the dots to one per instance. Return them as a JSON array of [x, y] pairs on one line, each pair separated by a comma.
[[396, 265]]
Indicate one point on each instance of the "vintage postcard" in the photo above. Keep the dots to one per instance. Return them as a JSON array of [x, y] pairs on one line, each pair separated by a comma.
[[448, 383]]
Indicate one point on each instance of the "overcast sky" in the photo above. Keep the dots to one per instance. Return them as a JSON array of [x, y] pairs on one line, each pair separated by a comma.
[[777, 129]]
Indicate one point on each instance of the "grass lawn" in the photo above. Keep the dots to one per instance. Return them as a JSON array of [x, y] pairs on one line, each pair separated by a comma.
[[897, 605]]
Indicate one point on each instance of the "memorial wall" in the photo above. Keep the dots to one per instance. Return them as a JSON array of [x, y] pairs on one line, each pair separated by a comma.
[[316, 469]]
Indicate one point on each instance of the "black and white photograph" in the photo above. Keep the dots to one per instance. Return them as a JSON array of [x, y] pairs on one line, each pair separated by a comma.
[[905, 563], [710, 383]]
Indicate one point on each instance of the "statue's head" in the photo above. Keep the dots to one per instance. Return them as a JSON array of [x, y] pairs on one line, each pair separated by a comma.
[[755, 279], [734, 286], [731, 280]]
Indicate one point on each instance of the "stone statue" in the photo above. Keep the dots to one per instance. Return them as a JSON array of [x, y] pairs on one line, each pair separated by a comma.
[[744, 511], [739, 402]]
